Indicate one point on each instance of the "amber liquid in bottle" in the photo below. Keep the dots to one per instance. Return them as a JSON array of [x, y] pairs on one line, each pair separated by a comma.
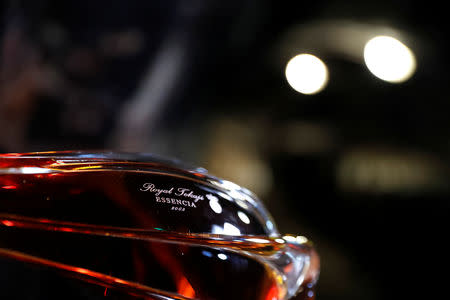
[[98, 230]]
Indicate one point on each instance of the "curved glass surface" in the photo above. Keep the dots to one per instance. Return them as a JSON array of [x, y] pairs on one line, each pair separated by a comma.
[[144, 226]]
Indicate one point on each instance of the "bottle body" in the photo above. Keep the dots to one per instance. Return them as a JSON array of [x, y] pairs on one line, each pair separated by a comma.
[[138, 227]]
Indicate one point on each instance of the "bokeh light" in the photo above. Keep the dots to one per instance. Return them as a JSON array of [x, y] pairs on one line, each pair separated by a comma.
[[389, 59], [306, 74]]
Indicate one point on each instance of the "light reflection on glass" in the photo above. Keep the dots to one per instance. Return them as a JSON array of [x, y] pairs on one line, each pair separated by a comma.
[[207, 253], [389, 59], [216, 229], [225, 196], [269, 225], [290, 238], [244, 218], [301, 239], [25, 170], [228, 185], [306, 74], [214, 203], [256, 240], [242, 204], [222, 256], [9, 187], [295, 239], [7, 223], [81, 270], [227, 229], [230, 229]]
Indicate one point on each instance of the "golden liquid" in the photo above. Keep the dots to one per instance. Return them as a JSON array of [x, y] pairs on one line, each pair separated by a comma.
[[86, 231]]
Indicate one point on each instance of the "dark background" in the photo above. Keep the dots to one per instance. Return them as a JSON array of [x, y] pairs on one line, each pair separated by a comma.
[[360, 168]]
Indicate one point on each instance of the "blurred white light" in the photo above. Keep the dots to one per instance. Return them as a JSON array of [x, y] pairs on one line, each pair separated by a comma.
[[25, 170], [244, 218], [306, 74], [257, 240], [269, 225], [388, 59], [207, 253], [230, 229], [289, 238], [222, 256], [227, 229], [214, 203], [216, 229], [295, 239], [301, 239]]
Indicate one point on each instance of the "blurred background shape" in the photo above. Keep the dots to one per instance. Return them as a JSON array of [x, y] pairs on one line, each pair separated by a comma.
[[357, 160], [306, 74], [388, 59]]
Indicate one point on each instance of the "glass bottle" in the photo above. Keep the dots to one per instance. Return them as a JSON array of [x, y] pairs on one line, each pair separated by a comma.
[[86, 225]]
